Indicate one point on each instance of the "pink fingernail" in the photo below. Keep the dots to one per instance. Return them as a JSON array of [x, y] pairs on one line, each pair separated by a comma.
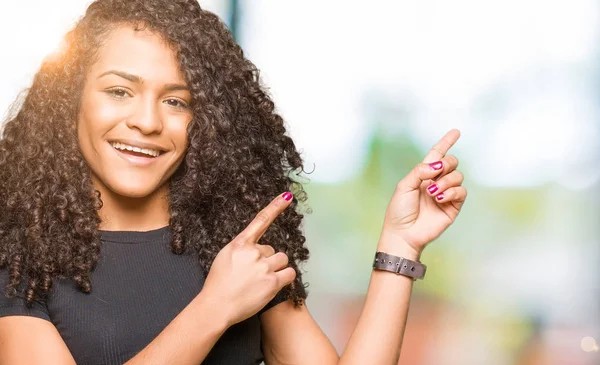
[[432, 188], [287, 196], [436, 165], [440, 196]]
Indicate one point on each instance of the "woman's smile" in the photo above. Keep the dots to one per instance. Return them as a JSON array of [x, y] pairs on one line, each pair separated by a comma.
[[137, 153]]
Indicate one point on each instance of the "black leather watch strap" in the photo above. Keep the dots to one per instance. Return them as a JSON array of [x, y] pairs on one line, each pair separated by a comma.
[[399, 265]]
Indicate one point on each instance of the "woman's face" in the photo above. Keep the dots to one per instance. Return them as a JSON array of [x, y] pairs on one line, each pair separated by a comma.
[[134, 114]]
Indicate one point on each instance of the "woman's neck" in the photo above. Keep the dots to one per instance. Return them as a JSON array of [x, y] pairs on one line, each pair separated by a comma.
[[119, 213]]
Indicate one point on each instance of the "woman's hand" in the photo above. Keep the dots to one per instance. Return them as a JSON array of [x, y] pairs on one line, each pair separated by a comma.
[[246, 275], [427, 200]]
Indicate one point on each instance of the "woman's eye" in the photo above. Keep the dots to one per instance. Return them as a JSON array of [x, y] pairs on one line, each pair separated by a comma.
[[118, 93], [177, 103]]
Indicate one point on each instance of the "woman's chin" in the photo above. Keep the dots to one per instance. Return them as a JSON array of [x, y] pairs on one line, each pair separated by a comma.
[[134, 191], [122, 185]]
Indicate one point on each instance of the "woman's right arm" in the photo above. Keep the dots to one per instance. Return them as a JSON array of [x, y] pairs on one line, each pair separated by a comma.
[[186, 340], [243, 278]]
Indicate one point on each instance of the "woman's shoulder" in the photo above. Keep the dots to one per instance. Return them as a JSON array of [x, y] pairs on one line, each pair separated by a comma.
[[13, 302]]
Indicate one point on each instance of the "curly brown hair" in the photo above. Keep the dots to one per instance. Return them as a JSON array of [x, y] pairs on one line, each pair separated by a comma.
[[238, 157]]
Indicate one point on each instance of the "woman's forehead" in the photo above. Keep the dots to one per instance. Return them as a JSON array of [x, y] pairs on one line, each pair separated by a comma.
[[138, 52]]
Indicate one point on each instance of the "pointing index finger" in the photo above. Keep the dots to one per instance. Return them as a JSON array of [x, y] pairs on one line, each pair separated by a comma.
[[265, 218], [439, 150]]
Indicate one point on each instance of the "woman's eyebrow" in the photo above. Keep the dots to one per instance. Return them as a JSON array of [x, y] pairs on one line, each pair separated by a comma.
[[176, 87], [139, 80], [125, 75]]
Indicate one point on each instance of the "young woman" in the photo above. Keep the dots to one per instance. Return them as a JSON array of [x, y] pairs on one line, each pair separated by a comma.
[[145, 207]]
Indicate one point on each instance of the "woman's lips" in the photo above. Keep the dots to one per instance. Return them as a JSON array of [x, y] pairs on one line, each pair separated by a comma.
[[136, 159]]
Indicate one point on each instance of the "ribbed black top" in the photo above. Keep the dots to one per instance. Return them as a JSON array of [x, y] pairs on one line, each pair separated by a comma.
[[138, 287]]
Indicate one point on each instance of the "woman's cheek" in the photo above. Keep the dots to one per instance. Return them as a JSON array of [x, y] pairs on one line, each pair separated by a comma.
[[98, 111], [105, 109], [177, 125]]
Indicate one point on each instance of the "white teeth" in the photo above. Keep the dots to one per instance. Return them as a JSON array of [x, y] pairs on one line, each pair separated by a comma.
[[146, 151]]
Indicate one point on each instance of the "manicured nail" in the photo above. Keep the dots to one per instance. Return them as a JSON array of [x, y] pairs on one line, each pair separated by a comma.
[[287, 196], [432, 188], [440, 196], [436, 165]]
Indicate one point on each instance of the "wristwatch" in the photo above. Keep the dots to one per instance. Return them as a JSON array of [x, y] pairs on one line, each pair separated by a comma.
[[399, 265]]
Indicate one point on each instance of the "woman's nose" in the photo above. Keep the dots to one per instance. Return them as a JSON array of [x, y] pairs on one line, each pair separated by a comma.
[[147, 118]]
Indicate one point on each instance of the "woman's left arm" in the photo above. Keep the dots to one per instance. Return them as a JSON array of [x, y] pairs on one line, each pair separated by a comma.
[[425, 203]]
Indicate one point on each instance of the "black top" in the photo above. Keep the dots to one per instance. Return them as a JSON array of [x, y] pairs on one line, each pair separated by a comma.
[[139, 286]]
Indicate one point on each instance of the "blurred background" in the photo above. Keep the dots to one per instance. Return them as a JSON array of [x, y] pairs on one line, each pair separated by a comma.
[[366, 88]]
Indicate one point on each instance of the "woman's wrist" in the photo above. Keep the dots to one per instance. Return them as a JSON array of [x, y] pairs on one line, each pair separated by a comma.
[[394, 244], [207, 307]]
